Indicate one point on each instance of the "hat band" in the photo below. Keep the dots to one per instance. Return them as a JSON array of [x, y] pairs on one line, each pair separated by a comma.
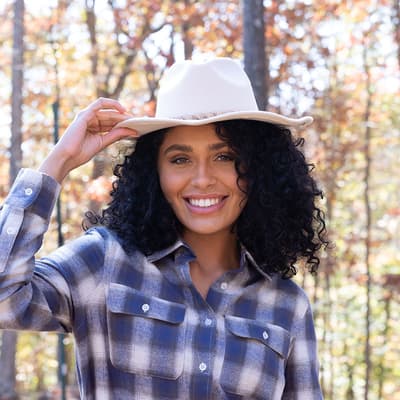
[[199, 116]]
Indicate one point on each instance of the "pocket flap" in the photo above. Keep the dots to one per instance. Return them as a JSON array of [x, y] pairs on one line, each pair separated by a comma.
[[273, 336], [126, 300]]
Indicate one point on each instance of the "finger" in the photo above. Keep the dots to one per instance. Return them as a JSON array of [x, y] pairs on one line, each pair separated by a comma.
[[101, 104], [108, 114], [105, 120], [118, 134], [106, 103]]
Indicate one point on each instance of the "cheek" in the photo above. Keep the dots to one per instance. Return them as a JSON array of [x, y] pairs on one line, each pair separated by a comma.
[[164, 180], [169, 185]]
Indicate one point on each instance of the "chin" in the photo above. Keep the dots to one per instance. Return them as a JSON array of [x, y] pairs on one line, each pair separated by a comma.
[[207, 230]]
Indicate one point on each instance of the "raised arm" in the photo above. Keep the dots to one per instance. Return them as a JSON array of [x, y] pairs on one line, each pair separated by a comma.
[[91, 131], [37, 295]]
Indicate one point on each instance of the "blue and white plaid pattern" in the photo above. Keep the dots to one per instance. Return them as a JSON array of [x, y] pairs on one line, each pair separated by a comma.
[[142, 330]]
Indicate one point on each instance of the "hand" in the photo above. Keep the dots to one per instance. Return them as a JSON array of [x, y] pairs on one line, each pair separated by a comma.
[[89, 133]]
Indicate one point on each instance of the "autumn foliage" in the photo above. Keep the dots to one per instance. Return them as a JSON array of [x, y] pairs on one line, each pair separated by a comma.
[[335, 60]]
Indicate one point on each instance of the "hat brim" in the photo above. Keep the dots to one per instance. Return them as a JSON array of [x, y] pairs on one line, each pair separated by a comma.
[[144, 125]]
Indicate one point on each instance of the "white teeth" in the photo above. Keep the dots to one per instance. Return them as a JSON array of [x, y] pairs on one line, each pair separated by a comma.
[[204, 202]]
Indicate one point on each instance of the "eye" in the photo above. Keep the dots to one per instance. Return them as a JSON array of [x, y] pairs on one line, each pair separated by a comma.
[[179, 160], [226, 157]]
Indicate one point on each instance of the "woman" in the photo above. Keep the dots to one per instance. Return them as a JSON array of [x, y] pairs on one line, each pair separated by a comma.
[[181, 291]]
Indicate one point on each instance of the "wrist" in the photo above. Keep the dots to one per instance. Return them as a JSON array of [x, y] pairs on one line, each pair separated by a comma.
[[55, 166]]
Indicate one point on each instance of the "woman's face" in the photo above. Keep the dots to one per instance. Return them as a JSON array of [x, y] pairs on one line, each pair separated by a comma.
[[198, 178]]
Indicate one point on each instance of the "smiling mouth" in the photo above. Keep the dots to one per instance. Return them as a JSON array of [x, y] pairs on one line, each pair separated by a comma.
[[204, 203]]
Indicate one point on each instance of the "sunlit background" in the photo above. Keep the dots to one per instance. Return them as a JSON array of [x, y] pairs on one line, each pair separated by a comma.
[[336, 60]]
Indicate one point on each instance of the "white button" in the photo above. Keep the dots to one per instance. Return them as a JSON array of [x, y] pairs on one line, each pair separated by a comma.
[[224, 285], [208, 321], [265, 335], [10, 231], [202, 367], [145, 307], [28, 191]]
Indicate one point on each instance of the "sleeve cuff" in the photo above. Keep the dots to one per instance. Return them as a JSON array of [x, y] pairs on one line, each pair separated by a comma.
[[31, 187]]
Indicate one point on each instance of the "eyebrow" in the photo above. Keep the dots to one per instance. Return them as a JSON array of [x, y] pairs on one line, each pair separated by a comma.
[[188, 149]]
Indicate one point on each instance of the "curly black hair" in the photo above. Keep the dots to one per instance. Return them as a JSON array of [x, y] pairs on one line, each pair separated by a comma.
[[280, 224]]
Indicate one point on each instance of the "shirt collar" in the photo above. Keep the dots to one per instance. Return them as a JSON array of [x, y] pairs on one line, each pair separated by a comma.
[[245, 256], [158, 255]]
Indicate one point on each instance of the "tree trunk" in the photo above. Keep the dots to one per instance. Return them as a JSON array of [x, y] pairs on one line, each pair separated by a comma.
[[187, 41], [16, 94], [254, 49], [385, 339], [396, 26], [9, 338], [349, 367], [7, 366], [367, 205]]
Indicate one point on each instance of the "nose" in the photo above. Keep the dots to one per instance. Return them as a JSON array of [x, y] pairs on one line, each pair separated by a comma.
[[203, 175]]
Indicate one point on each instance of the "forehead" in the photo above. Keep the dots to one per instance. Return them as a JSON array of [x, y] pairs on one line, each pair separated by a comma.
[[191, 135]]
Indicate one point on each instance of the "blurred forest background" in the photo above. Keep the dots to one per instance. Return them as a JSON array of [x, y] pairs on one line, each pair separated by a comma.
[[337, 60]]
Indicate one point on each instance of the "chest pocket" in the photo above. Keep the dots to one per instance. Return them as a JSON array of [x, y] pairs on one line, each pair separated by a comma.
[[255, 357], [146, 333]]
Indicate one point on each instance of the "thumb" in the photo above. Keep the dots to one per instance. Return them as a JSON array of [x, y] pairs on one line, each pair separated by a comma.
[[117, 134]]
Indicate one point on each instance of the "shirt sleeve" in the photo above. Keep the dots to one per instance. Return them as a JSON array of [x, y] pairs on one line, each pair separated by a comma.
[[30, 299], [302, 369]]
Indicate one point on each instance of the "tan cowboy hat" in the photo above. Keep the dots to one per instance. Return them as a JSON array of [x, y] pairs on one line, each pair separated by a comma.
[[199, 93]]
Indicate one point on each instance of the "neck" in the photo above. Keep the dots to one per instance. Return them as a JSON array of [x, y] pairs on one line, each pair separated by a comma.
[[214, 253]]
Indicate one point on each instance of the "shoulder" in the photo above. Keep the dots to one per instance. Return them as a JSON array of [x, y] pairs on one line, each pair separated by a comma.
[[84, 255], [291, 296], [91, 242], [94, 239]]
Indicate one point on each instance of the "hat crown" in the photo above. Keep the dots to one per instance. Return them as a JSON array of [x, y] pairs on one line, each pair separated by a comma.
[[195, 93], [191, 89]]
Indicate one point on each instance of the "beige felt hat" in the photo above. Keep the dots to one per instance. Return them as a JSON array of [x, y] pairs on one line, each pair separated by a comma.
[[199, 93]]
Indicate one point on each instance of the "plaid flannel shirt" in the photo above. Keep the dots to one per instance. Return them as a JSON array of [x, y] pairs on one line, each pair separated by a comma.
[[142, 330]]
